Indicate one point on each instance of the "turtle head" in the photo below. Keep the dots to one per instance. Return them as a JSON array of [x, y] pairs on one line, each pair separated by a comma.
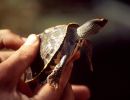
[[91, 27]]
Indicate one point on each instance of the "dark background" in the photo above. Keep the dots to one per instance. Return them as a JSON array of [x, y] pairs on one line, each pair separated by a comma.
[[111, 47]]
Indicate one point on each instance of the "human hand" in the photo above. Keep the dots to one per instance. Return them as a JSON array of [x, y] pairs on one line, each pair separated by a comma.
[[15, 62]]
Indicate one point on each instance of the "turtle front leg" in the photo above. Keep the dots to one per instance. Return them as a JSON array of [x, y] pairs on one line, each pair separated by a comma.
[[88, 48], [54, 78]]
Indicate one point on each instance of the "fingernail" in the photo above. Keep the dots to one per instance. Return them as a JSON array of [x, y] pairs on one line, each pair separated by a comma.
[[31, 39]]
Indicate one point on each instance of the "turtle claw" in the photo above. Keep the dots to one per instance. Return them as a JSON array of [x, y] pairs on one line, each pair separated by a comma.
[[54, 78]]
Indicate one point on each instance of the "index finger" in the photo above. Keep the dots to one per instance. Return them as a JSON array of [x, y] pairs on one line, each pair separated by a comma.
[[50, 92], [10, 40]]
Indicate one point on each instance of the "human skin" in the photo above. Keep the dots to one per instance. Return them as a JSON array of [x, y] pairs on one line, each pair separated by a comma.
[[19, 54]]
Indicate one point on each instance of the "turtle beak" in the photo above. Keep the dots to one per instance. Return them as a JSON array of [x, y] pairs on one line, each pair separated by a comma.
[[101, 21]]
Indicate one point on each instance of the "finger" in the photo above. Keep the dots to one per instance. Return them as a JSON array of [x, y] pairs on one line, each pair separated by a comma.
[[24, 88], [68, 93], [81, 92], [5, 54], [48, 92], [16, 64], [66, 73], [51, 93], [10, 40]]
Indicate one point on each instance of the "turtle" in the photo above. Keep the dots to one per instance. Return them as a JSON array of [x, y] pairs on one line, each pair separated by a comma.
[[58, 45]]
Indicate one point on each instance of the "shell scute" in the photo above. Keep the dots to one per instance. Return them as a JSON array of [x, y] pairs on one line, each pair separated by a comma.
[[51, 40]]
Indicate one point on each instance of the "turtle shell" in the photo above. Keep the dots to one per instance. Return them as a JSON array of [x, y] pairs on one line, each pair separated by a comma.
[[52, 40], [51, 43]]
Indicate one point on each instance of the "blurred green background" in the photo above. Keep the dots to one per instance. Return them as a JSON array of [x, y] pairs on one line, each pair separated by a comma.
[[110, 47]]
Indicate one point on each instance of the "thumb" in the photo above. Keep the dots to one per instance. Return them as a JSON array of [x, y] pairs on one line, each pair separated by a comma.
[[15, 65]]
